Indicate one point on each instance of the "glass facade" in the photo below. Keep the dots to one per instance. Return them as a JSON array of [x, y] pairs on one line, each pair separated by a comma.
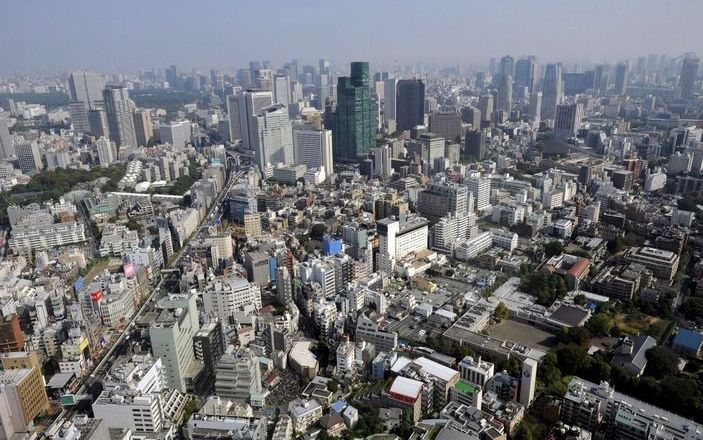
[[355, 128]]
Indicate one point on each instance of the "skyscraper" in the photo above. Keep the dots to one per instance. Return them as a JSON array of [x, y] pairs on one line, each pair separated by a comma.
[[507, 65], [552, 90], [485, 105], [6, 147], [536, 107], [97, 120], [389, 99], [687, 80], [29, 156], [273, 139], [410, 104], [601, 79], [119, 116], [313, 148], [281, 90], [474, 145], [86, 94], [241, 108], [356, 120], [526, 73], [567, 121], [143, 127], [621, 75], [504, 99]]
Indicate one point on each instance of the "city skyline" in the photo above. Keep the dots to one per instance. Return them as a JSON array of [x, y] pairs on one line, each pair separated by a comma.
[[82, 33]]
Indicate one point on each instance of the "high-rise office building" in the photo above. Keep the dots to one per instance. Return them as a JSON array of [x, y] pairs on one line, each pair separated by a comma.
[[447, 125], [241, 108], [504, 99], [552, 90], [526, 73], [28, 156], [85, 89], [143, 127], [238, 375], [281, 90], [97, 120], [507, 66], [480, 188], [621, 77], [471, 115], [536, 107], [172, 337], [389, 99], [410, 103], [356, 119], [475, 145], [687, 80], [22, 398], [106, 152], [601, 78], [6, 147], [324, 66], [567, 121], [273, 141], [118, 108], [485, 105], [313, 148]]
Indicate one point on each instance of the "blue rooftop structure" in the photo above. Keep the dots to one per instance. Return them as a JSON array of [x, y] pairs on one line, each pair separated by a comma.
[[688, 341], [338, 406]]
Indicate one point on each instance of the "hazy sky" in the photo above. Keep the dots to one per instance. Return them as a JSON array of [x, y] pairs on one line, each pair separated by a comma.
[[52, 35]]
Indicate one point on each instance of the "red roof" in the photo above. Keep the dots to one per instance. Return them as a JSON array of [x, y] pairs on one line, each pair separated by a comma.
[[579, 268]]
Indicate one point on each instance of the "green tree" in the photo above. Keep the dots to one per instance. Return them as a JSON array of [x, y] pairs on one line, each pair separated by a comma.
[[333, 386], [501, 312], [661, 361], [523, 432], [692, 308], [580, 299], [318, 230], [615, 245], [553, 248], [600, 324]]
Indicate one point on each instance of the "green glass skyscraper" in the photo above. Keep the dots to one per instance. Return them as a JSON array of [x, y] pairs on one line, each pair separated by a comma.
[[355, 127]]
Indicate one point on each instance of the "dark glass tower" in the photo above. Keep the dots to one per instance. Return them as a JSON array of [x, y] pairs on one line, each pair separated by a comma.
[[355, 126], [410, 103]]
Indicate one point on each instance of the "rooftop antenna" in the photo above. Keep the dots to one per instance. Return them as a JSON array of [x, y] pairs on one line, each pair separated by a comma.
[[395, 68]]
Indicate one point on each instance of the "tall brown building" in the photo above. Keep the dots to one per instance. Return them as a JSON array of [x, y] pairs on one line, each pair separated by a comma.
[[24, 395], [11, 336]]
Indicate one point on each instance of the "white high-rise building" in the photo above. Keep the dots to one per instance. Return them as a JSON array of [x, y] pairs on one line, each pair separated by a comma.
[[680, 163], [250, 104], [273, 136], [175, 133], [382, 161], [85, 89], [172, 337], [480, 188], [313, 148], [528, 380], [281, 90], [118, 108], [106, 152], [398, 238], [6, 147], [238, 375], [226, 295]]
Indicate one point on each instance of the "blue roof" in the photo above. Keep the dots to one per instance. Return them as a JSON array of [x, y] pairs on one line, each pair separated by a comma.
[[688, 339], [338, 406]]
